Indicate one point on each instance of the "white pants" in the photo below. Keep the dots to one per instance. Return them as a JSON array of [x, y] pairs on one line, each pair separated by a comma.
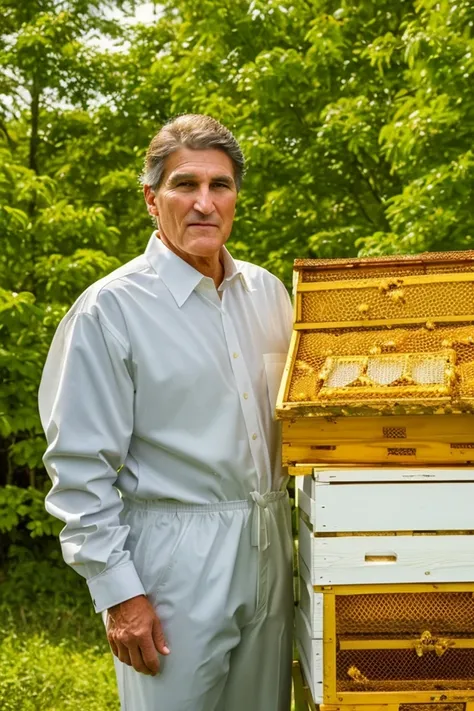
[[220, 578]]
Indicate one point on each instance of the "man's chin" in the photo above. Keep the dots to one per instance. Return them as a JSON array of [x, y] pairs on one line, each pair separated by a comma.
[[205, 245]]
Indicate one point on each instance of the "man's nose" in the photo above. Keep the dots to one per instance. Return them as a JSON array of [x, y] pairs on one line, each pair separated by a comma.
[[204, 203]]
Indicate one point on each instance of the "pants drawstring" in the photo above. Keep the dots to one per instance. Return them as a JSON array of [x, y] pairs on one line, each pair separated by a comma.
[[260, 514]]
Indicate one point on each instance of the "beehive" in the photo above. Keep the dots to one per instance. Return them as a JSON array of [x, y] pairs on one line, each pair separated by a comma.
[[377, 405], [381, 349], [386, 603]]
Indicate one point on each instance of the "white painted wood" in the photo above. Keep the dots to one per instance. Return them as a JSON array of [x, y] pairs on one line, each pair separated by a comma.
[[305, 667], [311, 603], [311, 656], [417, 559], [305, 545], [306, 483], [339, 476], [439, 506], [306, 504]]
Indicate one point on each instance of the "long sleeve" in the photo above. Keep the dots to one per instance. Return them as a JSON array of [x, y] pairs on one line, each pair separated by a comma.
[[86, 403]]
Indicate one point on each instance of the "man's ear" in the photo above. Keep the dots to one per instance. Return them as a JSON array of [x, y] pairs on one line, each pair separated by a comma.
[[149, 195]]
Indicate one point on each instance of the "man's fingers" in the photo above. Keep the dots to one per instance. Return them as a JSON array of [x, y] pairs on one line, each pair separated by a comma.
[[150, 657], [137, 660], [113, 647], [159, 637], [123, 654]]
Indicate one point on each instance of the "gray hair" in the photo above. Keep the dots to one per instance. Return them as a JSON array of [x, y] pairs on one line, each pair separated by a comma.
[[195, 131]]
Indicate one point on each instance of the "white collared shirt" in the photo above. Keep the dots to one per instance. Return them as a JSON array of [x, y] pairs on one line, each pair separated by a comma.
[[154, 375]]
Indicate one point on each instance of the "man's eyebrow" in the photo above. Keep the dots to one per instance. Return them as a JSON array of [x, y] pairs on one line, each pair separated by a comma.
[[223, 179], [176, 178]]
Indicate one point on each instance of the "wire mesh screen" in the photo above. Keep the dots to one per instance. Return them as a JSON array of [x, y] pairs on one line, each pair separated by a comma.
[[406, 613], [432, 707], [390, 669]]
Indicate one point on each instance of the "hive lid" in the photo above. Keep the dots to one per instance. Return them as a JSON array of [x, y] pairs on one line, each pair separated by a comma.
[[388, 335]]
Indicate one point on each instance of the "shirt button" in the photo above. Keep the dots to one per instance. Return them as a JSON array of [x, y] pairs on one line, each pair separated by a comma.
[[235, 355], [246, 396], [254, 436]]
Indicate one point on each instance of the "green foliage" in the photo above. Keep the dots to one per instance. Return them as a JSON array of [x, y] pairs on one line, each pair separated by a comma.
[[36, 674], [28, 534], [25, 507]]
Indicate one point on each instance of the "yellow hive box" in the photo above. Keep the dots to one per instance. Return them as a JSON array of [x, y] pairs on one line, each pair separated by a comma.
[[381, 363], [393, 644]]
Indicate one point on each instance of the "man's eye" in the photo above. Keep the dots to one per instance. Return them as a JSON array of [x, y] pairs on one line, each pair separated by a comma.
[[221, 185], [185, 184]]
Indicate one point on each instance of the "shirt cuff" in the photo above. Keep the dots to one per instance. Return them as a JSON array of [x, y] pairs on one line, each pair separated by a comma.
[[114, 586]]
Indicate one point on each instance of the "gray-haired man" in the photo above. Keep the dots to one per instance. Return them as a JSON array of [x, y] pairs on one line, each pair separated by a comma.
[[157, 400]]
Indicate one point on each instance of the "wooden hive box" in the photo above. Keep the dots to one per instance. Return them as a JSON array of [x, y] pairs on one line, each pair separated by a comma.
[[381, 363], [390, 645]]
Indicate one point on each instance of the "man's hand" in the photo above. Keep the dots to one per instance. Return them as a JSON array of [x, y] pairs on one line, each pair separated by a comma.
[[135, 634]]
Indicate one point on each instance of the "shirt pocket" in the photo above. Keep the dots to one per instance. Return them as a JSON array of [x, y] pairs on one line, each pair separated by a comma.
[[274, 367]]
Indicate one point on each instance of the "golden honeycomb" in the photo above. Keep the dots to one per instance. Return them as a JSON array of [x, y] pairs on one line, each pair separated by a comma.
[[388, 299], [392, 334], [316, 348]]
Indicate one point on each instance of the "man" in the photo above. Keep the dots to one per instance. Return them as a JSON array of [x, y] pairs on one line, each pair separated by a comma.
[[157, 400]]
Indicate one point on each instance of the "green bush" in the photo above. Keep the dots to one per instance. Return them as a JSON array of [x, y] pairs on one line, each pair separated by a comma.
[[38, 674], [54, 654]]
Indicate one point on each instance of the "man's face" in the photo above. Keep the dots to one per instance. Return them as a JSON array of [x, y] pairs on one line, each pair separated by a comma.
[[195, 202]]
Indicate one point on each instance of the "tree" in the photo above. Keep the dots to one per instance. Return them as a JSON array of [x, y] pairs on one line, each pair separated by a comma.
[[356, 118]]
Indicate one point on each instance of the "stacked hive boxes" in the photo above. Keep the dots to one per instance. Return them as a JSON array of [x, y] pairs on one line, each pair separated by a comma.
[[377, 403]]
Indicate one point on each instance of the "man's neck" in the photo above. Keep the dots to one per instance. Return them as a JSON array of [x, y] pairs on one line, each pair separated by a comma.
[[208, 266]]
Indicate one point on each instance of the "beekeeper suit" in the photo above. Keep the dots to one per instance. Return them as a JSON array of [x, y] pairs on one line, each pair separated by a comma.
[[157, 401]]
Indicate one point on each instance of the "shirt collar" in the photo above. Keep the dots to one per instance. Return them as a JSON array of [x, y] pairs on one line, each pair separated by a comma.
[[180, 277]]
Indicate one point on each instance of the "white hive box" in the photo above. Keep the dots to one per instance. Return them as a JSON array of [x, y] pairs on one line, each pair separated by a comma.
[[361, 532]]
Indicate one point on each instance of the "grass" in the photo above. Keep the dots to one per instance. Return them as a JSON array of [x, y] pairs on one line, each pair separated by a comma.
[[54, 654], [38, 673]]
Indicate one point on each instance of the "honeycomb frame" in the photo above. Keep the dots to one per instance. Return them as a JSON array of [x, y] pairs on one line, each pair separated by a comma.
[[418, 663], [411, 306]]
